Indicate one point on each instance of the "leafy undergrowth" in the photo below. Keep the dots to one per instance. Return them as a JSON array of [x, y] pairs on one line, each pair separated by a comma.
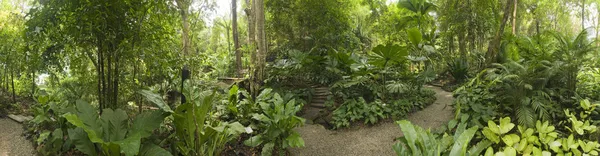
[[21, 106], [352, 110], [503, 137]]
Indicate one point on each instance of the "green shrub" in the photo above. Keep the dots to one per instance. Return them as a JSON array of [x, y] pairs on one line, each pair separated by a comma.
[[417, 141], [111, 131], [459, 69], [277, 121], [357, 110], [503, 139], [196, 133]]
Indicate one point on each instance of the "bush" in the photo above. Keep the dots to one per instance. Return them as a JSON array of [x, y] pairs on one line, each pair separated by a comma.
[[277, 121]]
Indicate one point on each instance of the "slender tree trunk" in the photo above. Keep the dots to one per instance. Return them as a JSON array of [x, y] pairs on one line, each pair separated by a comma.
[[597, 27], [116, 80], [33, 85], [2, 78], [451, 43], [462, 47], [514, 17], [583, 15], [12, 81], [236, 40], [100, 70], [183, 11], [251, 30], [494, 44]]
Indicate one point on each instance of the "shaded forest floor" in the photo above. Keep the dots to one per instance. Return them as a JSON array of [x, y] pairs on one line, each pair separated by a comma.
[[372, 140]]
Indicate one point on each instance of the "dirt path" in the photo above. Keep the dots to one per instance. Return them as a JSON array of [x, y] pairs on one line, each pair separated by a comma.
[[12, 142], [375, 140]]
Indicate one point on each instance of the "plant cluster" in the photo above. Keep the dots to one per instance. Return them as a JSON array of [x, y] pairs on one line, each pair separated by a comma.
[[201, 126], [503, 139], [371, 112]]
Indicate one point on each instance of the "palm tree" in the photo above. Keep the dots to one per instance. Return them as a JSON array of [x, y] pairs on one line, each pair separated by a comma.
[[522, 89], [573, 53]]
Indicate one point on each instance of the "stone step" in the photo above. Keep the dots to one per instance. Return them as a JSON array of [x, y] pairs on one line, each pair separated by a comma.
[[321, 89], [318, 101], [20, 118], [321, 95], [319, 98], [317, 105]]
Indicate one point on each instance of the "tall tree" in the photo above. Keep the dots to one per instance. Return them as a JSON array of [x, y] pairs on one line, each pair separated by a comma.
[[582, 15], [259, 65], [514, 16], [494, 44], [236, 40]]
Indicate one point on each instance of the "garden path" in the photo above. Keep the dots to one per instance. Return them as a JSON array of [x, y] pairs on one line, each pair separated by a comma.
[[12, 141], [371, 140]]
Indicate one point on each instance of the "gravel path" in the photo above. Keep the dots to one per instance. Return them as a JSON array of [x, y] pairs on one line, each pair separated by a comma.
[[372, 140], [12, 142]]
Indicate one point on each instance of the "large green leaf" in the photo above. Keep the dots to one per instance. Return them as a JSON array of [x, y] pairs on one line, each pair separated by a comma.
[[267, 150], [254, 141], [88, 115], [294, 140], [147, 122], [114, 124], [130, 146], [384, 55], [150, 149], [415, 36], [92, 134], [81, 141], [460, 144], [156, 99], [410, 135]]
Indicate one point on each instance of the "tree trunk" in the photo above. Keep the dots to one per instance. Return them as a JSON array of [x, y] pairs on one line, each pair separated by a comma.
[[236, 40], [183, 11], [12, 81], [100, 70], [514, 17], [33, 85], [251, 30], [259, 65], [494, 44], [451, 43], [583, 15], [2, 79], [462, 47]]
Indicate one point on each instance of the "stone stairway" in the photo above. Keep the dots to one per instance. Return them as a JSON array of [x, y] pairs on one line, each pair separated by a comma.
[[316, 111], [320, 96]]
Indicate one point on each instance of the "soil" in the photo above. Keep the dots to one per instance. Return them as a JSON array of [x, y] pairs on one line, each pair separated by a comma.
[[371, 140]]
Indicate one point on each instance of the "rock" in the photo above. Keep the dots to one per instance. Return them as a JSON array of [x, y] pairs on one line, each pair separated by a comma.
[[20, 118]]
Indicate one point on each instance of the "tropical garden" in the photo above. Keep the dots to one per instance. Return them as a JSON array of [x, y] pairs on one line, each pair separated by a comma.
[[300, 77]]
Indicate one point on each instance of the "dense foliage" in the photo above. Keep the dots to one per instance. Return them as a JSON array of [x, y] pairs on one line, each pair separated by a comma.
[[185, 77]]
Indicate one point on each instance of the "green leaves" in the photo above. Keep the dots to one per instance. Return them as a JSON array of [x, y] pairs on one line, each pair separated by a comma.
[[461, 144], [417, 141], [278, 118], [110, 131], [505, 125], [415, 36], [156, 99], [145, 123], [384, 55]]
